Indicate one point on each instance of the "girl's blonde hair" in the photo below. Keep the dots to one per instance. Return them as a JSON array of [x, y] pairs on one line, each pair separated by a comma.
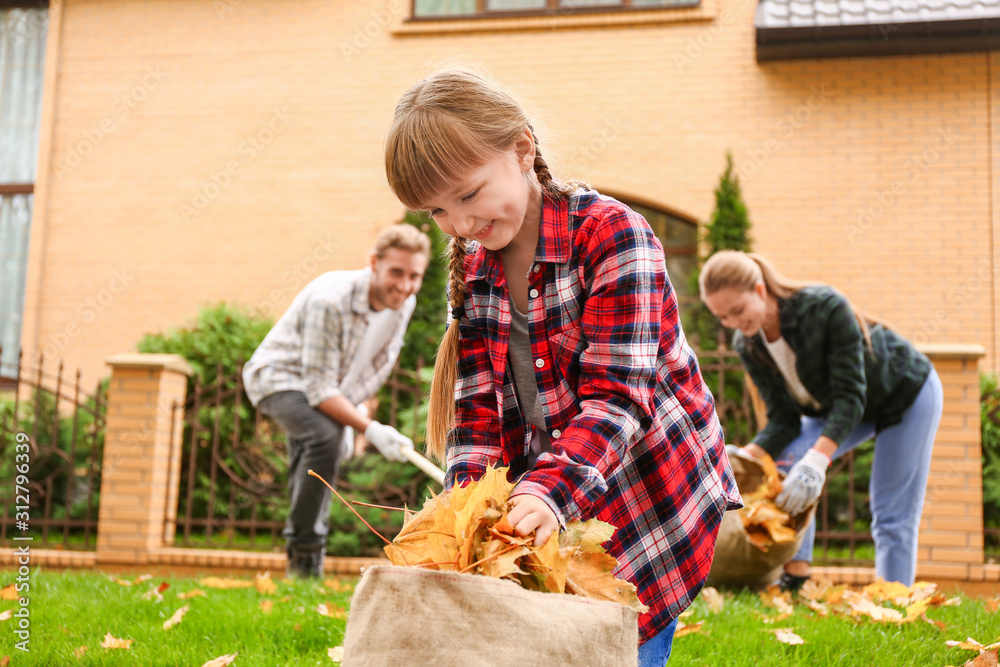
[[445, 126], [734, 269]]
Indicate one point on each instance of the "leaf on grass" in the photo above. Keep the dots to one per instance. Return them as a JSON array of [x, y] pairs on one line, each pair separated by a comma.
[[110, 641], [817, 607], [221, 661], [265, 585], [143, 577], [266, 605], [338, 586], [217, 582], [881, 591], [9, 592], [4, 661], [336, 653], [79, 651], [155, 593], [862, 605], [331, 610], [937, 624], [176, 618], [197, 592], [713, 598], [992, 605], [775, 597], [814, 590], [685, 629], [7, 615], [786, 636]]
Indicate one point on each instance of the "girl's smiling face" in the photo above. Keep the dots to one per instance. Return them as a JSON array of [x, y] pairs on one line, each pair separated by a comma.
[[491, 203]]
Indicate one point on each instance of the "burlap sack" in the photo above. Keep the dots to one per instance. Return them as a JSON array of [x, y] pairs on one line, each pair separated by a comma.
[[737, 561], [411, 616]]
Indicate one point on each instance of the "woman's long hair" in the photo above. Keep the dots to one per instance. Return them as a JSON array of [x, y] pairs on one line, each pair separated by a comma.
[[734, 269]]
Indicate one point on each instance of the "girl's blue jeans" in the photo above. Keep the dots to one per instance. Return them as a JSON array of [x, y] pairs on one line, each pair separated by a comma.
[[898, 481], [656, 651]]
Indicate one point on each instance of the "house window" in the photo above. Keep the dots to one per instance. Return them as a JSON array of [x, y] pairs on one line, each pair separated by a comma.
[[453, 9], [22, 54], [680, 248]]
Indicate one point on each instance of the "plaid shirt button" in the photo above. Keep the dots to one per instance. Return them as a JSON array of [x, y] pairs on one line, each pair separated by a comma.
[[556, 433], [533, 293], [539, 363]]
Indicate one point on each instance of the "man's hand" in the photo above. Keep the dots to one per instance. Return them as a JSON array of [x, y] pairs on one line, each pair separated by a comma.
[[804, 482], [531, 513], [388, 441], [732, 451]]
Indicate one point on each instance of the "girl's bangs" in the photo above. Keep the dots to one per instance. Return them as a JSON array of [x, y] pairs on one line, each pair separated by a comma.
[[426, 154]]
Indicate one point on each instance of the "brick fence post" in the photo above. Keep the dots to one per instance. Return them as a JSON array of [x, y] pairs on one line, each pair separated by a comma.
[[951, 529], [142, 447]]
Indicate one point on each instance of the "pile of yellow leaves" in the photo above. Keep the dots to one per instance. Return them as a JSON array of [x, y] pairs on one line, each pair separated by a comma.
[[467, 530], [766, 525]]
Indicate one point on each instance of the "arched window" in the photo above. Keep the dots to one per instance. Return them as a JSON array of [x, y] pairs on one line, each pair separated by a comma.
[[679, 236]]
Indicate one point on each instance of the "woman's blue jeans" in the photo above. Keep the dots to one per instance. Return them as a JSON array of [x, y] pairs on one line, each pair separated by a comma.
[[898, 481]]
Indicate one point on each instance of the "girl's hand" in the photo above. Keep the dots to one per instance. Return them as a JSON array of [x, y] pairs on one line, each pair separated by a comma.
[[531, 513]]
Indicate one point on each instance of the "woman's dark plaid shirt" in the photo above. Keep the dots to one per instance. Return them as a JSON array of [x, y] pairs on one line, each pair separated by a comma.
[[635, 438]]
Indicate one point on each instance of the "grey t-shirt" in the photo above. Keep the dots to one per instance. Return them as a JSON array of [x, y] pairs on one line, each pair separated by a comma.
[[519, 357]]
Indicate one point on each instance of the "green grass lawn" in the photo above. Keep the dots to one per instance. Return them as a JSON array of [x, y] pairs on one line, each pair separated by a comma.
[[73, 609]]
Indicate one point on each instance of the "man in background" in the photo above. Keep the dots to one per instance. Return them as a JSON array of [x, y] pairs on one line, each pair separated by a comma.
[[333, 349]]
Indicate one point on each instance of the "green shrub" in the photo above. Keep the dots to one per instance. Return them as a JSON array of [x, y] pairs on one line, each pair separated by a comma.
[[990, 413]]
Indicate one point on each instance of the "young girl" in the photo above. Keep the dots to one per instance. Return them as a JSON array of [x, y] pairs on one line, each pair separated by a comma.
[[831, 379], [564, 358]]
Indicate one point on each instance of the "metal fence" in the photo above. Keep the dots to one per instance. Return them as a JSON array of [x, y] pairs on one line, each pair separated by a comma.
[[51, 451]]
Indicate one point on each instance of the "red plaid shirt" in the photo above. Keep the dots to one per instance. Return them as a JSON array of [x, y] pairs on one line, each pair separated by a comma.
[[635, 438]]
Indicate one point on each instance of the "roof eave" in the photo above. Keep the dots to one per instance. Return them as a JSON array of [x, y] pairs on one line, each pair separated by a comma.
[[882, 39]]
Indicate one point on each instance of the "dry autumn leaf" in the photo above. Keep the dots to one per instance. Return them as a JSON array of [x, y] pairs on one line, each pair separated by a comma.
[[780, 600], [197, 592], [266, 605], [265, 585], [992, 605], [221, 661], [786, 636], [7, 615], [814, 590], [336, 653], [466, 530], [176, 618], [9, 592], [338, 586], [331, 610], [110, 641], [79, 651], [684, 629], [4, 661], [713, 598]]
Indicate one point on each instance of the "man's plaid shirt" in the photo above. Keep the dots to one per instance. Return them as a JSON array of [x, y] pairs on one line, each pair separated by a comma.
[[311, 347], [635, 438]]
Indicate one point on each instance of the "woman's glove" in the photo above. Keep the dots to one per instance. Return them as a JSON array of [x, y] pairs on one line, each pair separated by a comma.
[[388, 441], [804, 482]]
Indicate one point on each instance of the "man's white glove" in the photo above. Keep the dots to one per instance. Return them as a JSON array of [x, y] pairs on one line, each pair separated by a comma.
[[804, 483], [388, 441]]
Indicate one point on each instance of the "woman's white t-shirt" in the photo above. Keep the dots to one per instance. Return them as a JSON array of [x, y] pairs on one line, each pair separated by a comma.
[[784, 357]]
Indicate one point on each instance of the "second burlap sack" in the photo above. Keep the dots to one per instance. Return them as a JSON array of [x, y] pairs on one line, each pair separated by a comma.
[[738, 562]]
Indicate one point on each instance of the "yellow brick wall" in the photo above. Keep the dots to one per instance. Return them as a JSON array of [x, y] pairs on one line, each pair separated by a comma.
[[162, 94]]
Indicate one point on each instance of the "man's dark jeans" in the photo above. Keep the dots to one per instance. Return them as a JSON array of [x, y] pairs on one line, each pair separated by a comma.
[[313, 444]]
